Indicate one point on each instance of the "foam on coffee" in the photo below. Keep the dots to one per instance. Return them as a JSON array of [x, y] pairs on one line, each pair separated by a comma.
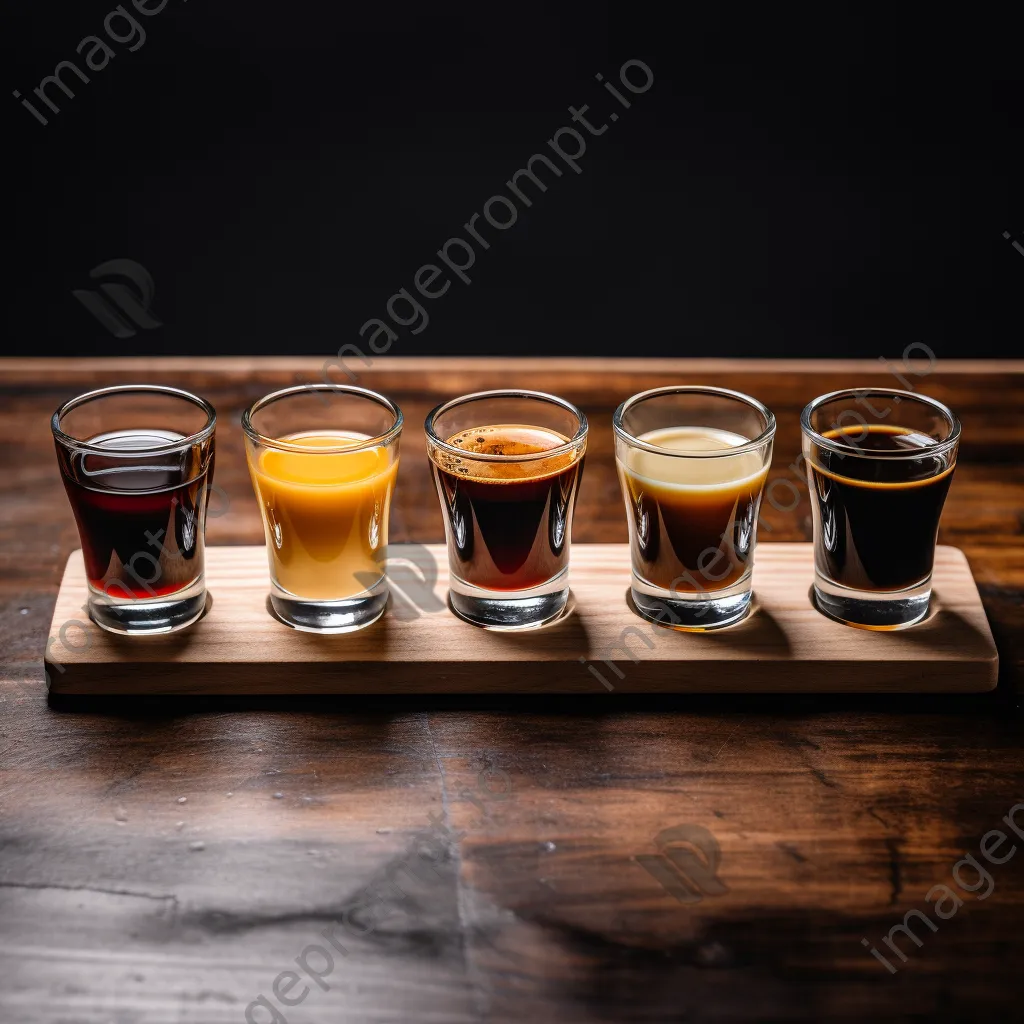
[[511, 440], [670, 473]]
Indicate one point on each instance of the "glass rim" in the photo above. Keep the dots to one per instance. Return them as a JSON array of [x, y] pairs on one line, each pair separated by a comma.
[[762, 439], [940, 447], [78, 445], [380, 440], [542, 396]]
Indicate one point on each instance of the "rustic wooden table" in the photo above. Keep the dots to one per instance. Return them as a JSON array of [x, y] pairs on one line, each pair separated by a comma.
[[170, 861]]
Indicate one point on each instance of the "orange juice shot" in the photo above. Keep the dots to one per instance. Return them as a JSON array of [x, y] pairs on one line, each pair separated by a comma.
[[325, 515], [324, 496]]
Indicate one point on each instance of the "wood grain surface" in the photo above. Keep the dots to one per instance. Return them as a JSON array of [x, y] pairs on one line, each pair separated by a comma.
[[533, 898], [419, 646]]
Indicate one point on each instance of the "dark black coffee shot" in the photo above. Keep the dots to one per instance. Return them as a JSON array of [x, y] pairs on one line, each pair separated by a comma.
[[877, 518]]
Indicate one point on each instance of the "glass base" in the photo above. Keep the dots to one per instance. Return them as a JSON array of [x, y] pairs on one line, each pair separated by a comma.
[[694, 616], [868, 610], [510, 610], [509, 613], [693, 612], [344, 616], [151, 615]]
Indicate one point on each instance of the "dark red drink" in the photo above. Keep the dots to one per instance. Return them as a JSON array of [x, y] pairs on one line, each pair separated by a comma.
[[141, 517]]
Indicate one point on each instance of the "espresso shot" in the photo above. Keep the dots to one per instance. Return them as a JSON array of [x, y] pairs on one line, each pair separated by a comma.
[[877, 493], [509, 519], [507, 466]]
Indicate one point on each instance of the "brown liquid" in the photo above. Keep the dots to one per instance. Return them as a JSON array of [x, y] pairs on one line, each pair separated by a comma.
[[876, 520], [508, 523], [692, 520]]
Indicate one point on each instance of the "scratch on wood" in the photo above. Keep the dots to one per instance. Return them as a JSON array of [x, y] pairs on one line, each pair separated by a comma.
[[43, 886], [793, 852], [823, 778], [895, 870]]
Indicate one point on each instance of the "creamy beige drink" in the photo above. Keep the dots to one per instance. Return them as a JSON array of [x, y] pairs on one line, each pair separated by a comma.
[[693, 515]]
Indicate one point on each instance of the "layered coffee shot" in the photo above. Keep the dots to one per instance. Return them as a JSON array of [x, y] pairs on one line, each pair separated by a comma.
[[693, 517], [692, 491]]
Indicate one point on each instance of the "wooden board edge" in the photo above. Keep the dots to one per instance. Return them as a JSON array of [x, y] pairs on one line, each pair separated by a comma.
[[52, 669], [367, 679], [19, 369]]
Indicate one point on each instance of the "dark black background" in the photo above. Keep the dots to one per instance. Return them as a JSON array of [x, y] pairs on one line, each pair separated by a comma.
[[798, 181]]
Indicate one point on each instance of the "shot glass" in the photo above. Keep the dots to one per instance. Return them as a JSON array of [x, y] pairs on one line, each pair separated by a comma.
[[323, 460], [692, 463], [137, 465], [507, 465], [879, 466]]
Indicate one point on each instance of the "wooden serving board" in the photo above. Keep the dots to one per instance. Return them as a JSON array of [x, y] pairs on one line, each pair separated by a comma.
[[419, 646]]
